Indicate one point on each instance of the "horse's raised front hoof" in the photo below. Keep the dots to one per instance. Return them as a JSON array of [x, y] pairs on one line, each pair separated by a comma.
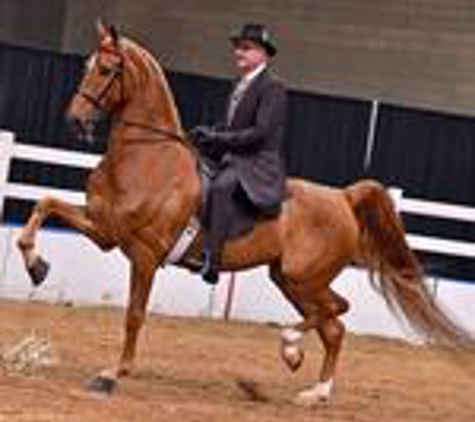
[[101, 384], [38, 270]]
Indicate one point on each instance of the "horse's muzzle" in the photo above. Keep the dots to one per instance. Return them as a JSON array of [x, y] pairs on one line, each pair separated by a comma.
[[81, 129]]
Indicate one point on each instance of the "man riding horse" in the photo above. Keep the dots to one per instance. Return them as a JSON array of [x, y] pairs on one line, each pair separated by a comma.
[[146, 188], [250, 178]]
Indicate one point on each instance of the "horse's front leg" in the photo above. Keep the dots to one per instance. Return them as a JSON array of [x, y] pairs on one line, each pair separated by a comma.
[[72, 215], [142, 272]]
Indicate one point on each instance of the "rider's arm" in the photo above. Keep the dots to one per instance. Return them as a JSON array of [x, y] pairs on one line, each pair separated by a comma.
[[272, 111]]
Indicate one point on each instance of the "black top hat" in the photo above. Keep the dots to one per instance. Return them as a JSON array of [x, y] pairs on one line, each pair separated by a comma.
[[258, 34]]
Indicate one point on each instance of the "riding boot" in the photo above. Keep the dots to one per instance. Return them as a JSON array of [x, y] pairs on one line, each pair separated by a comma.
[[212, 252], [219, 211], [210, 269]]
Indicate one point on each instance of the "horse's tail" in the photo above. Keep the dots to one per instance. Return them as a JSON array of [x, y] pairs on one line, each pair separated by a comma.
[[395, 270]]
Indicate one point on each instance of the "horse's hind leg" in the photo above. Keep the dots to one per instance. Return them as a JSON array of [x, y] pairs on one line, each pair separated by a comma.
[[320, 309], [329, 306], [71, 215], [291, 336]]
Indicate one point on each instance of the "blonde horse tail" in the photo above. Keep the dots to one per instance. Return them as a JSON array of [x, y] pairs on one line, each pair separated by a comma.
[[395, 270]]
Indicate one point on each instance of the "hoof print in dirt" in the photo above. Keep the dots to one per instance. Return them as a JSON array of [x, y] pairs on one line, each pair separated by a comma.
[[251, 390], [102, 385]]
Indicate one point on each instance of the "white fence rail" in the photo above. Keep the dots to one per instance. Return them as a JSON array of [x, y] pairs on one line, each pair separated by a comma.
[[438, 210], [82, 274], [9, 150]]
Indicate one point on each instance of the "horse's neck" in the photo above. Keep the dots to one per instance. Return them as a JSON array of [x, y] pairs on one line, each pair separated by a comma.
[[148, 118], [153, 109]]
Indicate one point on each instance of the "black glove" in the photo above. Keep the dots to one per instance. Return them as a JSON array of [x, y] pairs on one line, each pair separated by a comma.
[[211, 141], [203, 135]]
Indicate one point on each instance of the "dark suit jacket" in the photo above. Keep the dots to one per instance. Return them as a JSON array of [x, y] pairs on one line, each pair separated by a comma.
[[253, 140]]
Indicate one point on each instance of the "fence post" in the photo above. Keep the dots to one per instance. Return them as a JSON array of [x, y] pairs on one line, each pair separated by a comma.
[[6, 153], [396, 195]]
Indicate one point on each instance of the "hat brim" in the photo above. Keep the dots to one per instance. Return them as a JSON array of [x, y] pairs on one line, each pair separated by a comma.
[[270, 48]]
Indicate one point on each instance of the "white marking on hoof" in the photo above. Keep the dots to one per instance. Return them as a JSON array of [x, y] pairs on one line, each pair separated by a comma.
[[291, 335], [108, 373], [291, 352], [318, 394], [293, 356]]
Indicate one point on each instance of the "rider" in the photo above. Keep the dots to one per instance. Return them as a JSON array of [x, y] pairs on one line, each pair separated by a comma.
[[248, 143]]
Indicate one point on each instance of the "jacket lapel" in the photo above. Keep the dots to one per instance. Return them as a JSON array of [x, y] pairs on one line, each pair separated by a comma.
[[248, 96]]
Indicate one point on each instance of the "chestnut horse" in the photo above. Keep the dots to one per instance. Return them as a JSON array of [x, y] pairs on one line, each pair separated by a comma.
[[147, 186]]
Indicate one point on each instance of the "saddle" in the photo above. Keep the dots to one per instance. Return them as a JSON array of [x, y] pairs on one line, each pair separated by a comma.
[[244, 215]]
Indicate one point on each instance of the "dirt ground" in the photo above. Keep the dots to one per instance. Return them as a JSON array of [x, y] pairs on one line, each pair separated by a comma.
[[188, 370]]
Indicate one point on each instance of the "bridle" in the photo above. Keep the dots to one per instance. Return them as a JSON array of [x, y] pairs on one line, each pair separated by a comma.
[[113, 73]]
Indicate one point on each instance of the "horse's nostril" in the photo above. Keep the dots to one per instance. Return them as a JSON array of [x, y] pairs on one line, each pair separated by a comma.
[[75, 125], [83, 130]]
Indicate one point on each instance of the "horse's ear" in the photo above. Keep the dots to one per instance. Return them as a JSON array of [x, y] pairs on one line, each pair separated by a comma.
[[114, 33], [107, 31], [101, 28]]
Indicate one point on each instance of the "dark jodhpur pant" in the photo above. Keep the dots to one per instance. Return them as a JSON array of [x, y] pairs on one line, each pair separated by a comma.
[[219, 210]]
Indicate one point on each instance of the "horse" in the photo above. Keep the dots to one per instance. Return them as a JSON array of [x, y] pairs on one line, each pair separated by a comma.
[[147, 187]]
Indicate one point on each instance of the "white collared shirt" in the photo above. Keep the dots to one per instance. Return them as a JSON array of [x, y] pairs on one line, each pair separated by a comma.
[[241, 88], [249, 77]]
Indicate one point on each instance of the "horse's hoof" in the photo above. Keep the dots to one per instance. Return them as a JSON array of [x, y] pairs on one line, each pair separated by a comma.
[[101, 384], [319, 394], [38, 271]]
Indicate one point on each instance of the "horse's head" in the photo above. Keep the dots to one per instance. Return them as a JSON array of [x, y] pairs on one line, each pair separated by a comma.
[[122, 76], [102, 89]]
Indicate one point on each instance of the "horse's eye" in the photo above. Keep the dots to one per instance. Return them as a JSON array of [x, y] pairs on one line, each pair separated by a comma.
[[104, 71]]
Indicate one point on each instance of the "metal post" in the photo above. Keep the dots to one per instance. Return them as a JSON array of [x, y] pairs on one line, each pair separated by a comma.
[[230, 296], [373, 121]]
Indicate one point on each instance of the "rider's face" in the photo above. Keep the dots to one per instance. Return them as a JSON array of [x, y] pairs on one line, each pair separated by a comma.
[[248, 55]]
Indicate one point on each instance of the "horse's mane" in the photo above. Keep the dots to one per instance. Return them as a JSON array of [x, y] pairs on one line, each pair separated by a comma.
[[154, 74]]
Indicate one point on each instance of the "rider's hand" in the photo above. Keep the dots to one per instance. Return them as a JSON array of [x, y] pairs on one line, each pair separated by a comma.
[[203, 135]]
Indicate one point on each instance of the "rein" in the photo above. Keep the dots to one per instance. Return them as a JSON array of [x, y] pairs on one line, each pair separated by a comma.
[[159, 130]]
